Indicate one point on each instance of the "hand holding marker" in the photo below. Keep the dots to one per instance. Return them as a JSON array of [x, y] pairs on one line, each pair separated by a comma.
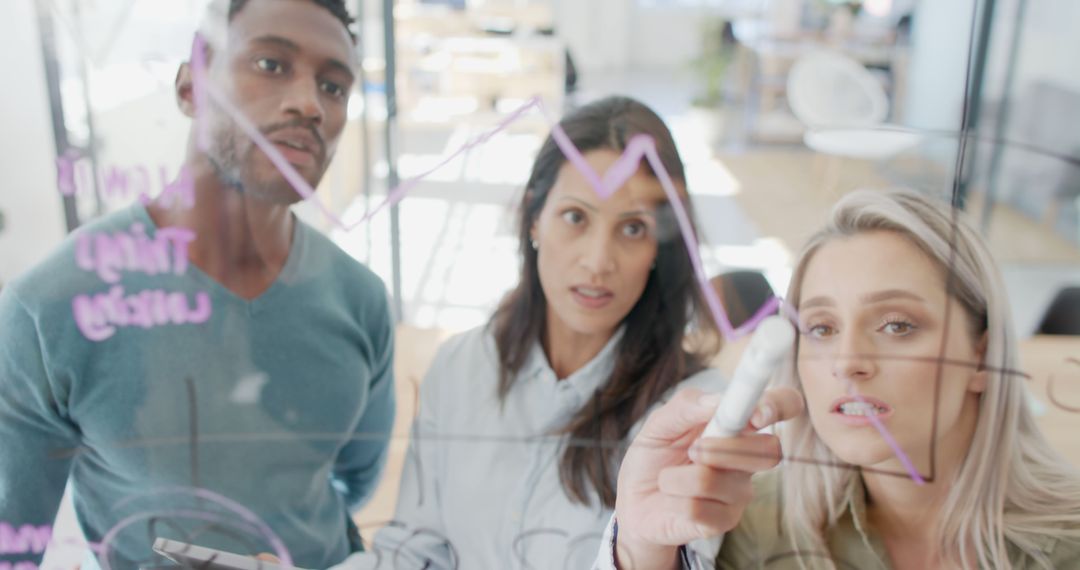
[[770, 344]]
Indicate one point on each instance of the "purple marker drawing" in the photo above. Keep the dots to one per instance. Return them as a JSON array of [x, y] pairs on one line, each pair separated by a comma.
[[99, 316], [115, 182], [236, 510], [179, 192], [889, 439], [140, 182], [643, 146], [75, 176], [24, 539], [108, 254], [32, 539], [638, 147], [65, 173], [23, 565]]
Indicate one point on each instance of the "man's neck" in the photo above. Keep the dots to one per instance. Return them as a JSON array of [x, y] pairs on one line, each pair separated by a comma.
[[240, 242]]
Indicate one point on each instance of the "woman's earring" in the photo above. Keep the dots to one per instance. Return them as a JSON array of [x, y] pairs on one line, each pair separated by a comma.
[[535, 246]]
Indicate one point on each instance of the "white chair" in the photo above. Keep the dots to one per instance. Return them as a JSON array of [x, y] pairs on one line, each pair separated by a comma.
[[844, 108]]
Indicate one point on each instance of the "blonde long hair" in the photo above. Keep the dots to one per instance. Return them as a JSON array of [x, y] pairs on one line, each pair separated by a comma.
[[1012, 487]]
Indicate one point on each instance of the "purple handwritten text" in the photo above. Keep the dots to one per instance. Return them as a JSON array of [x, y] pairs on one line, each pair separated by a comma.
[[109, 253], [24, 565], [25, 539], [76, 176], [99, 315]]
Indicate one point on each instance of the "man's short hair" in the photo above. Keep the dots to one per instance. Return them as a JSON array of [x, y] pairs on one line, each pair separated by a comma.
[[217, 9]]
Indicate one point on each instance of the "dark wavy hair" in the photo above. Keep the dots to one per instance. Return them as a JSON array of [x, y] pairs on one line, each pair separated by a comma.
[[335, 7], [651, 356]]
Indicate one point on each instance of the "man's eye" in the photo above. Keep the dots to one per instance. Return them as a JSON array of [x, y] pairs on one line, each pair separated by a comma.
[[333, 89], [270, 65]]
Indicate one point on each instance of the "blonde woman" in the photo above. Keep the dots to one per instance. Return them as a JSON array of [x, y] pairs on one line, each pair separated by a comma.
[[903, 305]]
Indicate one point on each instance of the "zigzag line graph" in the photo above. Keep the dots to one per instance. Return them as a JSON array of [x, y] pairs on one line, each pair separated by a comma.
[[640, 147]]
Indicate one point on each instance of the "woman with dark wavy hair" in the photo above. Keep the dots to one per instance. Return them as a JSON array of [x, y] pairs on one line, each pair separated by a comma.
[[522, 422]]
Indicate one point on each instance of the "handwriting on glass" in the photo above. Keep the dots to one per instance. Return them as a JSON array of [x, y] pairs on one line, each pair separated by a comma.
[[76, 176], [98, 316], [23, 539], [108, 254]]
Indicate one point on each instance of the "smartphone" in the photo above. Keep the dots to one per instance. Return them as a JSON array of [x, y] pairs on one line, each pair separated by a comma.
[[202, 558]]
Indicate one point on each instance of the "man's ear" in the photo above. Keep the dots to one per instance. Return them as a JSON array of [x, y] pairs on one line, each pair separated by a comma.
[[981, 378], [185, 90], [184, 84]]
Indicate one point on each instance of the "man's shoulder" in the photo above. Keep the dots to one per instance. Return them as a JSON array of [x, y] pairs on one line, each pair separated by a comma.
[[58, 277], [324, 257]]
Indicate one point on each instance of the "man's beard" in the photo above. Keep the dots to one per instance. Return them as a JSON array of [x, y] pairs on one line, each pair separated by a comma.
[[232, 155]]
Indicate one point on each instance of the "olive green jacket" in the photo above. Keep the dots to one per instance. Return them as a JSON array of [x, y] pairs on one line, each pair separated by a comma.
[[757, 543]]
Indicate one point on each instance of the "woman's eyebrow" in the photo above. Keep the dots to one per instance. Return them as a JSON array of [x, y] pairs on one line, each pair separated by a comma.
[[866, 298], [890, 294], [637, 213], [595, 209], [819, 301], [583, 203]]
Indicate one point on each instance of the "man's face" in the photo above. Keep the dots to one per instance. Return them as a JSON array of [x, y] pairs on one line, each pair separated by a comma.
[[287, 66]]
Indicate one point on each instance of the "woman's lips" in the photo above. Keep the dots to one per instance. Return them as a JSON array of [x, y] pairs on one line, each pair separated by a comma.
[[591, 297], [853, 411]]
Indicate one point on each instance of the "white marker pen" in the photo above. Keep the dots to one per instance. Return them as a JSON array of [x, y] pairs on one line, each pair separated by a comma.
[[771, 342]]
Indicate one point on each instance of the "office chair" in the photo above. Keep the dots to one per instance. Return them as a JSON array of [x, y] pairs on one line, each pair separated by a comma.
[[1062, 317]]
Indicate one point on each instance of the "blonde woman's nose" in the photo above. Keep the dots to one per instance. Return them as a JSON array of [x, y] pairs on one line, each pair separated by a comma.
[[854, 358]]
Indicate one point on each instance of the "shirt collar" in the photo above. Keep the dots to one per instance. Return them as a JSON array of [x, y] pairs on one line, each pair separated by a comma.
[[856, 516], [855, 498], [586, 380]]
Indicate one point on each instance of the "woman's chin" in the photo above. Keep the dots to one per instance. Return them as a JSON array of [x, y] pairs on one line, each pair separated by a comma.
[[875, 455]]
